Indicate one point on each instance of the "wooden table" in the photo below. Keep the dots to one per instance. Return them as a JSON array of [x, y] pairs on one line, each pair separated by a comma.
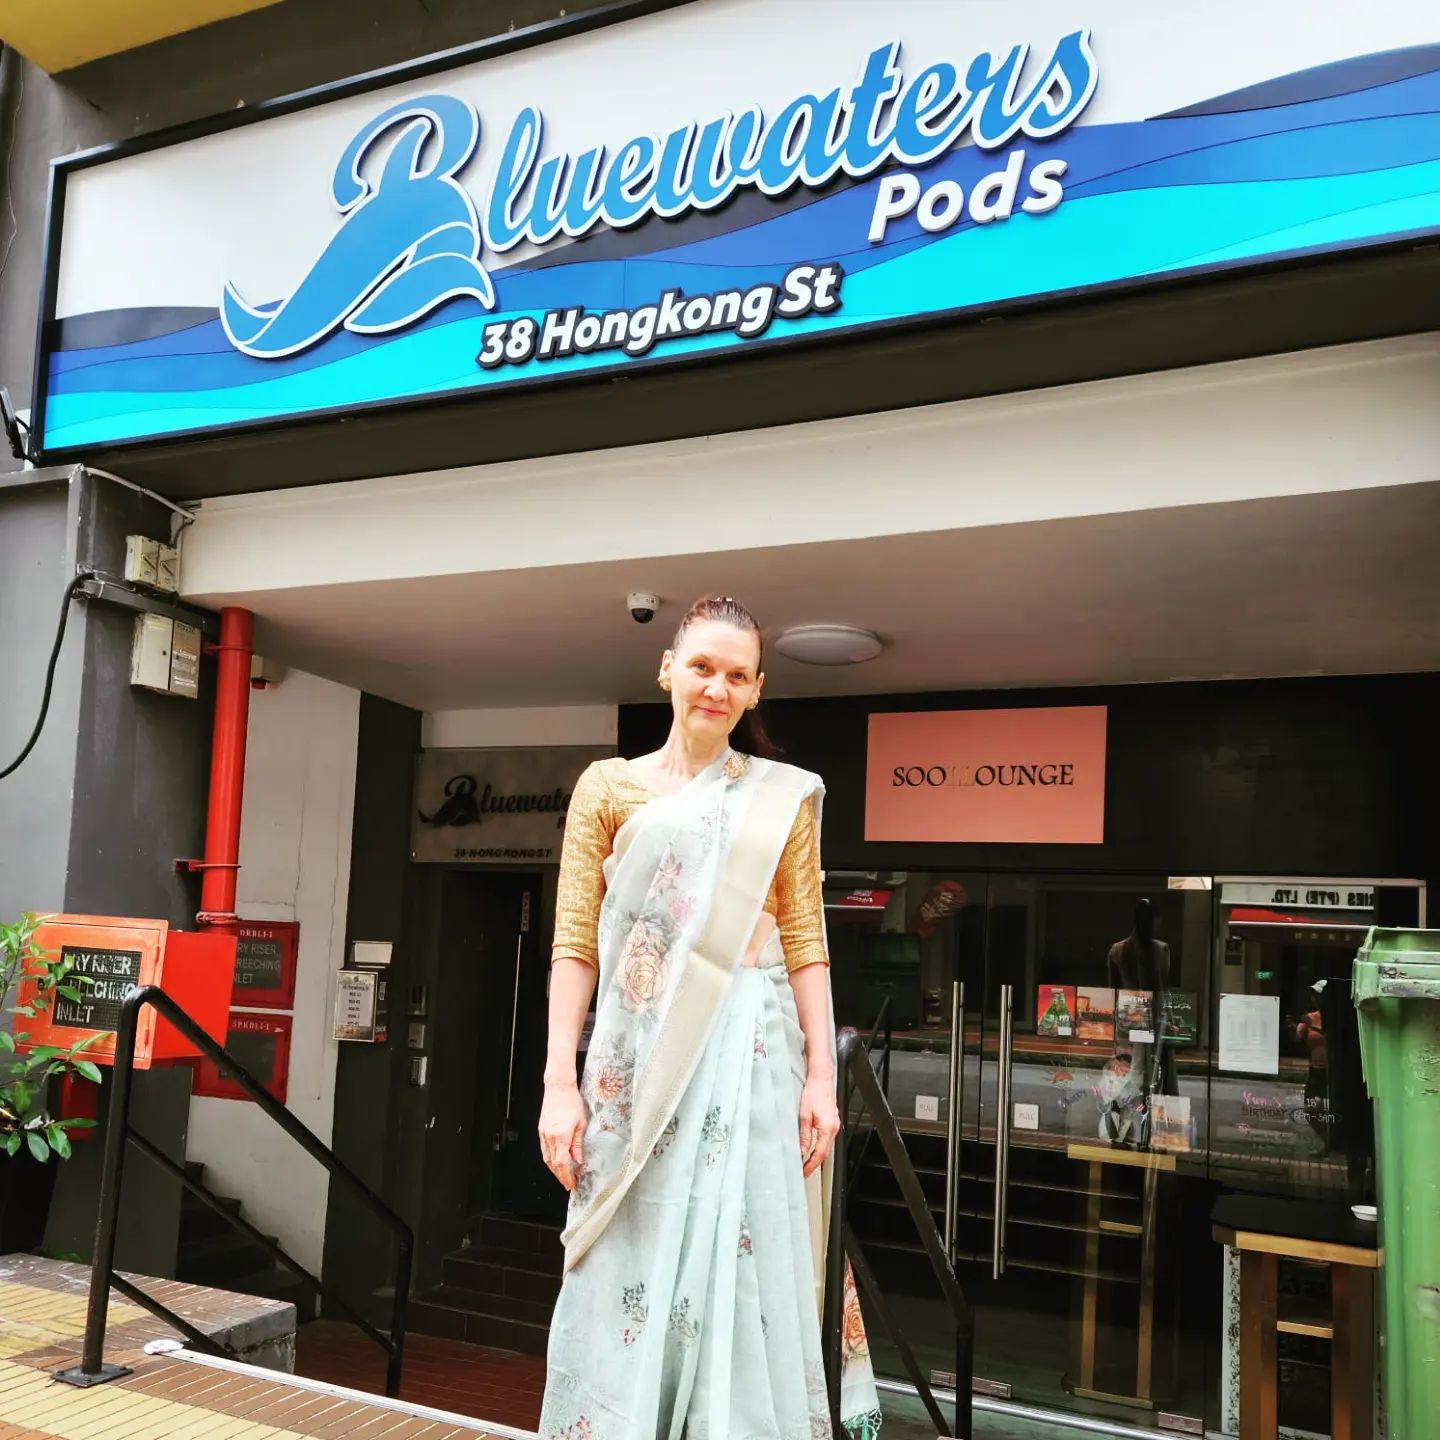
[[1263, 1231], [1158, 1166]]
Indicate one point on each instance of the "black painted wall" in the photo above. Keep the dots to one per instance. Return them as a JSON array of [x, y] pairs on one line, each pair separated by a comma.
[[37, 559], [370, 1079], [142, 764], [131, 801], [1314, 776]]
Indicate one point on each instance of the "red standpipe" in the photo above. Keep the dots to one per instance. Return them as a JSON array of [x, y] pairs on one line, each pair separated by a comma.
[[227, 771]]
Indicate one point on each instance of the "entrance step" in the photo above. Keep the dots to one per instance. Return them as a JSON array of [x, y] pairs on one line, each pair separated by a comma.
[[502, 1272], [530, 1237], [482, 1320], [499, 1292]]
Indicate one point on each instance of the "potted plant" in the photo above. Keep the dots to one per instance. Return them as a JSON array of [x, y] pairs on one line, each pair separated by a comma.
[[30, 1136]]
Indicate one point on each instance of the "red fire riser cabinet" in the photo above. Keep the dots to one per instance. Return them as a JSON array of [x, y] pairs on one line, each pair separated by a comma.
[[196, 970]]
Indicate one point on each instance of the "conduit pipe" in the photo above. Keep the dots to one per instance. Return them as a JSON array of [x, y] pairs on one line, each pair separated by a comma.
[[221, 864]]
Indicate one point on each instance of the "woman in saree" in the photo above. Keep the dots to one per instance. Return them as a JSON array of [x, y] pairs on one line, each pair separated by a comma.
[[695, 1145]]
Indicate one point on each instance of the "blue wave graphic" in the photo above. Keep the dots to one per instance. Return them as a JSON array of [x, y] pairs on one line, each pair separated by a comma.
[[1214, 186]]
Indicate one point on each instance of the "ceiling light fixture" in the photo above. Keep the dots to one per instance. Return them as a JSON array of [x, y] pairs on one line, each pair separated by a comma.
[[829, 644]]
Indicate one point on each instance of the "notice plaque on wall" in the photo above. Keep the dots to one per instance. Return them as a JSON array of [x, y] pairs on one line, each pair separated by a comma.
[[107, 977], [356, 1005], [261, 1043], [494, 805], [265, 964]]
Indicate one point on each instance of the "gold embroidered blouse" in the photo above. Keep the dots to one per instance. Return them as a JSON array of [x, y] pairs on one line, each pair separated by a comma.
[[605, 797]]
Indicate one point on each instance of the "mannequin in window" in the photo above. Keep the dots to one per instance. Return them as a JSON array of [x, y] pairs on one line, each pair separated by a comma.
[[1140, 962]]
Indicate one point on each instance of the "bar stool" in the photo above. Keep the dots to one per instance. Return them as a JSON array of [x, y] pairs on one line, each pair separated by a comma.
[[1264, 1230]]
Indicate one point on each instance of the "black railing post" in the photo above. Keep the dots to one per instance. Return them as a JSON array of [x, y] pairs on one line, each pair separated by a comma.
[[403, 1262], [964, 1382], [93, 1370], [835, 1239], [854, 1064]]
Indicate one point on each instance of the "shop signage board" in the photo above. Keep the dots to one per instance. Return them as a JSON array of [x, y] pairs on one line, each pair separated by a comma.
[[1305, 895], [665, 183], [1034, 776], [496, 806]]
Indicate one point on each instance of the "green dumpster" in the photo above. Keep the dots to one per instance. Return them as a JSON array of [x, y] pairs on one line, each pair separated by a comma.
[[1397, 992]]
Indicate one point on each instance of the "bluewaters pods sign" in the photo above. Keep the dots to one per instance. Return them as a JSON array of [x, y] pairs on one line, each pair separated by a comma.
[[714, 178]]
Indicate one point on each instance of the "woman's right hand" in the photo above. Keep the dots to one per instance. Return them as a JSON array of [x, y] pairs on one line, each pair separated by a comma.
[[562, 1131]]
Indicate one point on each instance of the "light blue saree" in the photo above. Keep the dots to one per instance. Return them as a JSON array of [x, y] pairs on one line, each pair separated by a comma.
[[694, 1251]]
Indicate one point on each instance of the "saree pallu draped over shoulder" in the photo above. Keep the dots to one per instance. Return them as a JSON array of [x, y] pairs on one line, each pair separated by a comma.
[[694, 1248]]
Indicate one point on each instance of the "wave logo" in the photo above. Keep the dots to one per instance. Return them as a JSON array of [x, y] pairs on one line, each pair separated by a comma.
[[410, 240]]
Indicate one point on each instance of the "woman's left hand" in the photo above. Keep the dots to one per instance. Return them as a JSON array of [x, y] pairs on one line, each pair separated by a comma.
[[819, 1120]]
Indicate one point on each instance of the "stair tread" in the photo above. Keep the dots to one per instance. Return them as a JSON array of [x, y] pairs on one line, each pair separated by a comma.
[[500, 1307], [224, 1243], [191, 1201], [526, 1236], [533, 1262]]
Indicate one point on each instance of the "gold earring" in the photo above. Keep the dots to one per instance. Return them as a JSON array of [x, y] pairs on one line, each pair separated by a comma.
[[664, 684], [754, 703]]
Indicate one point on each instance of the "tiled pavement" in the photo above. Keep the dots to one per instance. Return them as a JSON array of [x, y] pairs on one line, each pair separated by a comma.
[[42, 1319], [41, 1324]]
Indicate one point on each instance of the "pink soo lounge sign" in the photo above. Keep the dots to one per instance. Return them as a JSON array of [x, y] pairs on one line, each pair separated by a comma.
[[989, 776]]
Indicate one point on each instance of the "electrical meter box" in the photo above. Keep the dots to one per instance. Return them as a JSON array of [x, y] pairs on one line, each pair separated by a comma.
[[110, 956], [165, 656]]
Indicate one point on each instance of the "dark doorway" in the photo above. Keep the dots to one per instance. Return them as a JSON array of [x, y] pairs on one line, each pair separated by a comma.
[[484, 1070], [521, 1185]]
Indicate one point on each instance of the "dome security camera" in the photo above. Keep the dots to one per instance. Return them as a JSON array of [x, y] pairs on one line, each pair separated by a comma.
[[642, 606]]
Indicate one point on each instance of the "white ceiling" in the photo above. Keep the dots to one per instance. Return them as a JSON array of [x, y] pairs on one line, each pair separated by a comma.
[[1338, 583]]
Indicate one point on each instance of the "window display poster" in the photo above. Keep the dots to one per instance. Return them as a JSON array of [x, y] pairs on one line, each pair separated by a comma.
[[1095, 1012], [1250, 1034], [1135, 1016], [1179, 1022], [1170, 1125], [1055, 1010]]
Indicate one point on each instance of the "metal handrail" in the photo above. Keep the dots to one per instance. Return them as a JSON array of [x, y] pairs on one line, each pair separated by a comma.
[[92, 1370], [881, 1025], [853, 1066]]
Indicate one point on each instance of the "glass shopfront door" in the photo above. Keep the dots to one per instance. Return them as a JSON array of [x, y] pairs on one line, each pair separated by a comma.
[[1047, 1066], [1082, 1245], [1080, 1065]]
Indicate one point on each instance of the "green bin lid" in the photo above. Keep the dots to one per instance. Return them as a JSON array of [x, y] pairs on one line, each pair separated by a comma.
[[1397, 965]]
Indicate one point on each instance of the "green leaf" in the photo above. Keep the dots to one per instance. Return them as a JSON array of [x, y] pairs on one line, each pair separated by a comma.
[[87, 1041], [77, 1124], [88, 1069], [38, 1148], [46, 1052], [12, 1142], [69, 992], [7, 1041], [59, 1141]]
